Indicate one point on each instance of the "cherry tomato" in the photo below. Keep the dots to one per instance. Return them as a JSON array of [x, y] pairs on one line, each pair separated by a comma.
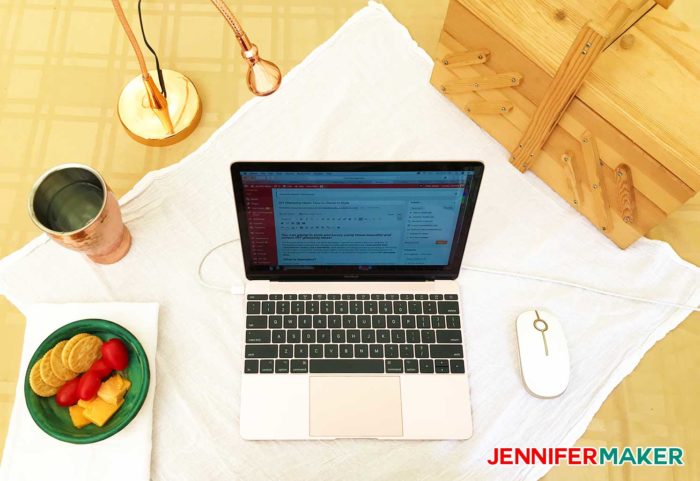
[[114, 352], [68, 394], [89, 385], [102, 368]]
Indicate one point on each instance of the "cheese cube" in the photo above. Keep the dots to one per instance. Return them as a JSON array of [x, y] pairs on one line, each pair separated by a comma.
[[113, 389], [77, 417], [99, 411]]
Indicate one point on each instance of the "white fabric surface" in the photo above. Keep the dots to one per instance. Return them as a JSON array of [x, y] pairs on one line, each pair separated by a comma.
[[31, 455], [364, 94]]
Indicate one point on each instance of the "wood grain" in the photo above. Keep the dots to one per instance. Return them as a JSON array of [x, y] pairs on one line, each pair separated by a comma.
[[460, 59], [657, 190], [508, 128], [626, 87], [570, 173], [594, 167], [643, 90], [485, 82], [489, 107], [626, 204], [583, 53]]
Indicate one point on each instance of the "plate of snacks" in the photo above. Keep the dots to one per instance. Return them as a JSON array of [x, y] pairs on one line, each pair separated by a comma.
[[86, 381]]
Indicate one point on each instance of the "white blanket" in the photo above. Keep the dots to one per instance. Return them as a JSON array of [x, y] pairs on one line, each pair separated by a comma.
[[364, 94]]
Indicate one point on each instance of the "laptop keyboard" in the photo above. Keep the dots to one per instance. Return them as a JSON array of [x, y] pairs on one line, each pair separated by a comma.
[[353, 333]]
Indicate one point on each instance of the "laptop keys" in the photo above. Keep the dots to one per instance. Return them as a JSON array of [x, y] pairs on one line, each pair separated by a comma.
[[442, 366], [300, 366], [267, 366], [353, 333], [282, 366], [253, 351], [393, 366], [346, 366], [251, 366], [410, 366], [257, 336]]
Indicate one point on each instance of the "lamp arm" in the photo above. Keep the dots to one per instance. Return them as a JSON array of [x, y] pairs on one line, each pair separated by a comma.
[[132, 38], [156, 99], [264, 77], [234, 24]]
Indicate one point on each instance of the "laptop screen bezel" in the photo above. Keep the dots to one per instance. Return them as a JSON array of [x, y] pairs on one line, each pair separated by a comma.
[[345, 273]]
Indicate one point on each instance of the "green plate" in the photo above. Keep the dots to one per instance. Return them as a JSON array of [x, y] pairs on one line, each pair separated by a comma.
[[55, 421]]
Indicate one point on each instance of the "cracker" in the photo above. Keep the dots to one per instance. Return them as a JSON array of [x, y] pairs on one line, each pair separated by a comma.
[[69, 346], [46, 373], [39, 387], [84, 353], [59, 369]]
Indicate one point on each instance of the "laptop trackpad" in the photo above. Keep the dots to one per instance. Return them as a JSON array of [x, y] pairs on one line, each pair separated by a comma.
[[355, 406]]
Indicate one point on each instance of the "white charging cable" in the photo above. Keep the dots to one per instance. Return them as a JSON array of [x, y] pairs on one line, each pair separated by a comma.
[[200, 278], [487, 270], [579, 286]]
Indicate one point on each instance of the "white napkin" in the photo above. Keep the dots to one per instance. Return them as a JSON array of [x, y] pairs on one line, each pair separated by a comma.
[[32, 455]]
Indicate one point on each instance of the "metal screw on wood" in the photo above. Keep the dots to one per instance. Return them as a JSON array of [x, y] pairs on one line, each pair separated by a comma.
[[503, 109], [627, 219], [445, 62], [575, 202], [585, 140], [480, 57], [603, 228], [476, 85], [595, 186], [619, 173], [513, 79], [566, 158]]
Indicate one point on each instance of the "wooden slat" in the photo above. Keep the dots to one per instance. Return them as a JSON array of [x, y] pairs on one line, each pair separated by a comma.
[[583, 52], [489, 107], [460, 59], [594, 167], [570, 172], [486, 82], [625, 194]]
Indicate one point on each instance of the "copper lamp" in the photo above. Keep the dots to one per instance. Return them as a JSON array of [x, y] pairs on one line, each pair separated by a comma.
[[152, 116], [264, 77]]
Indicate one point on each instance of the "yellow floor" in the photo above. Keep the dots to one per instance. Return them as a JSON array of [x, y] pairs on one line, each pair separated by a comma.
[[63, 63]]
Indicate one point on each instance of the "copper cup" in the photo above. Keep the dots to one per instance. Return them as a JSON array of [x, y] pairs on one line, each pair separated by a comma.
[[75, 207]]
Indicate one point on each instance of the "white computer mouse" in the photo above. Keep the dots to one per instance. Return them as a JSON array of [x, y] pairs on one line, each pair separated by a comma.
[[544, 355]]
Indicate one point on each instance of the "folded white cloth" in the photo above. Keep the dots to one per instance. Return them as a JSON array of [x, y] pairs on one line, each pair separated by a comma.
[[30, 454], [364, 94]]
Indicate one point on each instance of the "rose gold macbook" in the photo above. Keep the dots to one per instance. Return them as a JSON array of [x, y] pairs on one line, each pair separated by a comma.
[[352, 312]]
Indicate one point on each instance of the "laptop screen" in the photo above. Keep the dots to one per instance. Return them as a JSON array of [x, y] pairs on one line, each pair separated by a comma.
[[354, 219]]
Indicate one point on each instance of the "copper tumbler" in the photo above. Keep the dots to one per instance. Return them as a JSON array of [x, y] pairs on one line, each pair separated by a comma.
[[73, 204]]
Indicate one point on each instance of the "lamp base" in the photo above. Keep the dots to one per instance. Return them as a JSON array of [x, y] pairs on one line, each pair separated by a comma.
[[142, 124]]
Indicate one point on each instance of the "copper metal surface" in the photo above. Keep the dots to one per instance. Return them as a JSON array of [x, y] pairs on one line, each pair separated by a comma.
[[104, 239]]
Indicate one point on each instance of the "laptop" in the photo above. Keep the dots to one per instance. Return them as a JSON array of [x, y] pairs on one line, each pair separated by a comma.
[[353, 317]]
